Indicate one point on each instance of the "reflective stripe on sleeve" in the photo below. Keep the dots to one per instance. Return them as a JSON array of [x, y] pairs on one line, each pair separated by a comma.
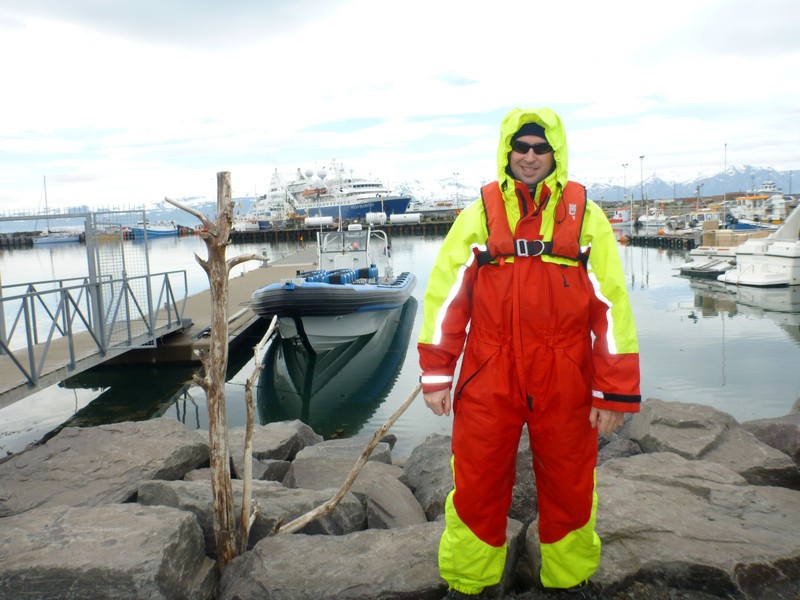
[[434, 379]]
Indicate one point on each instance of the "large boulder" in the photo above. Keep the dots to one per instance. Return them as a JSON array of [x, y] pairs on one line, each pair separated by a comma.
[[695, 524], [90, 466], [782, 433], [429, 474], [320, 472], [276, 441], [119, 551], [695, 432], [388, 563], [277, 506]]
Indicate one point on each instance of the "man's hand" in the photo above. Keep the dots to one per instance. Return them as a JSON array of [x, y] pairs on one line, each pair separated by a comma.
[[439, 401], [606, 421]]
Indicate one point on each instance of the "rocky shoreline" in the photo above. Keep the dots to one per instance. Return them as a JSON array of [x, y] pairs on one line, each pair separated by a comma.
[[692, 505]]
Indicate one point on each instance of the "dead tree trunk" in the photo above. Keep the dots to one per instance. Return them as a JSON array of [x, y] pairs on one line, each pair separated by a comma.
[[215, 364]]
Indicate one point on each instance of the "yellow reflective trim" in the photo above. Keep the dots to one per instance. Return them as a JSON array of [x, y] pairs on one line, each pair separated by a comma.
[[575, 557], [467, 563]]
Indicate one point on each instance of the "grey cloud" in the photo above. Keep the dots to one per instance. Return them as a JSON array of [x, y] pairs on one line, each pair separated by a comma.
[[190, 23]]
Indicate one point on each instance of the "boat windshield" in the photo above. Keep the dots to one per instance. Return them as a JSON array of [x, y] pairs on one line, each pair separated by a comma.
[[344, 241]]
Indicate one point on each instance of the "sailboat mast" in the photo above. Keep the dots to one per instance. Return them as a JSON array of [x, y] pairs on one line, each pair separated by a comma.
[[46, 208]]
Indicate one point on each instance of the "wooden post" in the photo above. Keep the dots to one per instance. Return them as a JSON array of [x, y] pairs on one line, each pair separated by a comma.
[[215, 364]]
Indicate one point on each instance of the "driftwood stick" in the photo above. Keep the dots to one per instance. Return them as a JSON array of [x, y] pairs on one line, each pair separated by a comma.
[[207, 223], [237, 260], [248, 516], [331, 504]]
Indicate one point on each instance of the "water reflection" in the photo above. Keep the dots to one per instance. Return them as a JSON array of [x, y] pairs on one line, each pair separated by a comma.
[[781, 304], [335, 392], [127, 393]]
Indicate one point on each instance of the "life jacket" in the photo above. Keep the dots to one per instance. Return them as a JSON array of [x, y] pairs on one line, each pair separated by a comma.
[[566, 231]]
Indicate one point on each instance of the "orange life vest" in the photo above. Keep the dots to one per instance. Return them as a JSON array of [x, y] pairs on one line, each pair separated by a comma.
[[566, 231]]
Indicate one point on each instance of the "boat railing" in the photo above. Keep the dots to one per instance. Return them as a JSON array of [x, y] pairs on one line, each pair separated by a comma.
[[116, 313]]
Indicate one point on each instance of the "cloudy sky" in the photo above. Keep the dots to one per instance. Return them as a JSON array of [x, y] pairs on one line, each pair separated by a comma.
[[123, 102]]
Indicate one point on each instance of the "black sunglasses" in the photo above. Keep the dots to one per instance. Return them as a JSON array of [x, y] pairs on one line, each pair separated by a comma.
[[522, 147]]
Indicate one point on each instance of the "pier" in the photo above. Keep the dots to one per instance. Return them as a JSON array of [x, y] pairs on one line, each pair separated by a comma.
[[653, 240], [432, 226], [54, 351]]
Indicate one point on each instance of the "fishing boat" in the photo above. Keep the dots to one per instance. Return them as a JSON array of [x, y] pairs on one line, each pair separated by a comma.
[[333, 193], [654, 219], [53, 236], [696, 220], [772, 261], [621, 216], [349, 295], [766, 208], [155, 229]]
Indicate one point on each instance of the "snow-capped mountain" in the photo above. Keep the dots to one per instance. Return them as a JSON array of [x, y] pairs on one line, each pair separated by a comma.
[[734, 181]]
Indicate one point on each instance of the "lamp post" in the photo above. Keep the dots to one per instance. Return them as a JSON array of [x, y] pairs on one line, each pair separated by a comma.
[[455, 175], [641, 180], [724, 176], [625, 189]]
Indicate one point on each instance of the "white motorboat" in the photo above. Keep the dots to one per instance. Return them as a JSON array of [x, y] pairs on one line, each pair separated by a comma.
[[654, 219], [772, 261], [347, 297]]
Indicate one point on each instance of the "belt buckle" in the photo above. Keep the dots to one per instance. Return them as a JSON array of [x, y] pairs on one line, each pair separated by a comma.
[[536, 248]]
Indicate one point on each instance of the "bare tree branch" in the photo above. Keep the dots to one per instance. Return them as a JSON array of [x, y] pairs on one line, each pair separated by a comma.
[[237, 260], [203, 219], [247, 517]]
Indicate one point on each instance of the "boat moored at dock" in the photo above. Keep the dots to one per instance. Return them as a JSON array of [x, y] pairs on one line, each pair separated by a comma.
[[347, 296], [154, 229], [772, 261]]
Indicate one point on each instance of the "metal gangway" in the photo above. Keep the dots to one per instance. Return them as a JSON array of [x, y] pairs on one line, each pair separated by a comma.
[[53, 329]]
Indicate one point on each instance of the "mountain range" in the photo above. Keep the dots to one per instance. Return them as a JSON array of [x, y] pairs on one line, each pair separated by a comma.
[[735, 181]]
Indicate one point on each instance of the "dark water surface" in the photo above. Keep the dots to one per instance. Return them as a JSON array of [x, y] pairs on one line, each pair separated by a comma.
[[735, 349]]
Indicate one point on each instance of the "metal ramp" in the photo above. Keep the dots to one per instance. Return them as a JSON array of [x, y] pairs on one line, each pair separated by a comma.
[[51, 330]]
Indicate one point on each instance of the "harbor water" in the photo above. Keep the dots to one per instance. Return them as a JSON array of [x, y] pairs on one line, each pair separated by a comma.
[[731, 348]]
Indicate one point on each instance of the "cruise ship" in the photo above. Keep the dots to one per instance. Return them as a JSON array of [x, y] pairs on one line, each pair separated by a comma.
[[331, 192]]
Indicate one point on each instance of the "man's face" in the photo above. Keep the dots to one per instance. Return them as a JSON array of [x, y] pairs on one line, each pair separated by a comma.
[[528, 167]]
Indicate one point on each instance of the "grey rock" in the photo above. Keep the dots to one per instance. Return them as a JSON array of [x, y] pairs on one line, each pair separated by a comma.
[[695, 431], [277, 441], [121, 551], [390, 504], [782, 433], [323, 472], [347, 448], [429, 474], [90, 466], [392, 563], [619, 448], [696, 525], [198, 475], [524, 501], [267, 469], [277, 506]]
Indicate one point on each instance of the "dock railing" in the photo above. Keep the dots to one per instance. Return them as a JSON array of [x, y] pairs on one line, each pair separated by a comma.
[[116, 314]]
